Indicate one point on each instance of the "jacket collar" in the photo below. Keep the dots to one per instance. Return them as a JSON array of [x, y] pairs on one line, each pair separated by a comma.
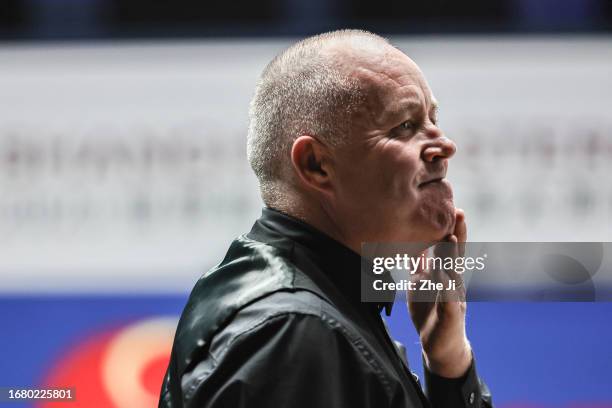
[[330, 256]]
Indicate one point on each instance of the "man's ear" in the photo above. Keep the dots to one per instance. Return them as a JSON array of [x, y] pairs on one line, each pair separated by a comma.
[[312, 162]]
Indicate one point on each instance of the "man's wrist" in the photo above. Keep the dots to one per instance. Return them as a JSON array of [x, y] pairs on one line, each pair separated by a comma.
[[453, 364]]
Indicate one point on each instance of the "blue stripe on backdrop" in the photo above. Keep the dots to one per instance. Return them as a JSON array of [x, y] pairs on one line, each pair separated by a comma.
[[38, 332], [553, 354], [548, 354]]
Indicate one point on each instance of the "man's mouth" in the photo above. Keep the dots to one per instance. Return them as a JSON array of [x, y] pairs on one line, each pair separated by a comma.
[[431, 181]]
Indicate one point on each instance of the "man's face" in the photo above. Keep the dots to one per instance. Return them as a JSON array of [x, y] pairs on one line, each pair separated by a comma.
[[389, 177]]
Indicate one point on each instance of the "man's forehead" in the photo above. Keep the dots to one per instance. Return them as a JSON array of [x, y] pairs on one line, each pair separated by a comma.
[[384, 68], [396, 89]]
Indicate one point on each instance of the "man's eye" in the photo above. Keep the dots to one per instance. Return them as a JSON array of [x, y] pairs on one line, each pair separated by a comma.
[[407, 125]]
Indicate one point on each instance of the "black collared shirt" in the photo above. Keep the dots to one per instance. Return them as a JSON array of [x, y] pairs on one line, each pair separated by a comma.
[[280, 323]]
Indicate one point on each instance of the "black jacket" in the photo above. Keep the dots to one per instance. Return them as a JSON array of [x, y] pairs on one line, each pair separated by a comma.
[[279, 323]]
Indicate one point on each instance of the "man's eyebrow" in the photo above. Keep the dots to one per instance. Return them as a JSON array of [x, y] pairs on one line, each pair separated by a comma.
[[409, 106], [414, 105]]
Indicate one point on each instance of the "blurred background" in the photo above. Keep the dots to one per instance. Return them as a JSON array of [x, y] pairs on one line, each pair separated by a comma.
[[123, 173]]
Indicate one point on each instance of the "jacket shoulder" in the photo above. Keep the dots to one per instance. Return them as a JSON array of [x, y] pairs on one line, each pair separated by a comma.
[[250, 271]]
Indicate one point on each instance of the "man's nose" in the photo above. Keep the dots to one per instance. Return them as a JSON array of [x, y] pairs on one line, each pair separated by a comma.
[[439, 147]]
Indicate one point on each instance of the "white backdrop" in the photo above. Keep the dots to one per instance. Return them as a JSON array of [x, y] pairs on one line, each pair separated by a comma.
[[123, 166]]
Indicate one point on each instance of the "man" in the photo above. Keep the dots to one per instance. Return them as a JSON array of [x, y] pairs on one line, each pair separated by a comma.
[[344, 140]]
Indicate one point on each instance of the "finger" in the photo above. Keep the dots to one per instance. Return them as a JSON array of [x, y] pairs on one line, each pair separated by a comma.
[[447, 247], [460, 226], [417, 295], [452, 281], [420, 302], [444, 250]]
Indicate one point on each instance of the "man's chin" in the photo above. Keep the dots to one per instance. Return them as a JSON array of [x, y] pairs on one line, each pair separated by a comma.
[[443, 223], [428, 225]]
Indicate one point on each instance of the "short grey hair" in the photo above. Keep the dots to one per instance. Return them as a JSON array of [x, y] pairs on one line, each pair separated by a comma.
[[302, 91]]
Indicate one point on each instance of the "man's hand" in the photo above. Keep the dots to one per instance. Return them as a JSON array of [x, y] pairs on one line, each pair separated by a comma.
[[439, 318]]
